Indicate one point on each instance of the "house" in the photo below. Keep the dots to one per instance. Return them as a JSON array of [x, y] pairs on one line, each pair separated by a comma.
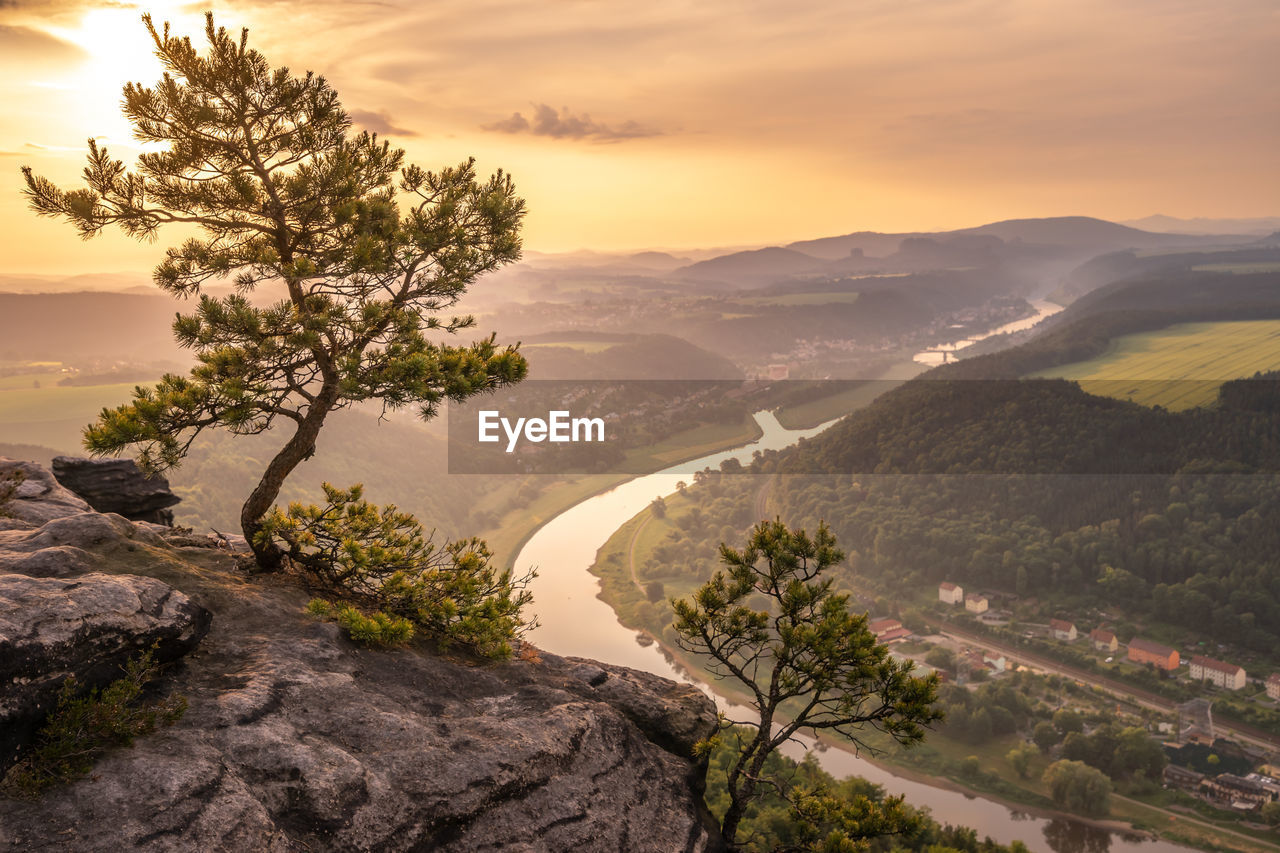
[[1223, 674], [1146, 651], [883, 625], [1241, 793], [950, 593], [1272, 786], [1273, 685], [1103, 641], [976, 603], [1182, 777], [887, 630], [990, 662], [1063, 630]]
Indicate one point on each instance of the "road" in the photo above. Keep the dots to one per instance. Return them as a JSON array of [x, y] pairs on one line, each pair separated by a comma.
[[1188, 818]]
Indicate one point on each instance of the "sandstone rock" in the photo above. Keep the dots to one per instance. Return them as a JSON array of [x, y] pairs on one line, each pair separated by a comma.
[[85, 530], [185, 537], [40, 497], [87, 627], [119, 486], [54, 562], [675, 716], [295, 739]]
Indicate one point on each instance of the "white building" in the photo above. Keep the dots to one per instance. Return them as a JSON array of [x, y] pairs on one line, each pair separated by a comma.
[[950, 593], [1063, 630], [1273, 686], [1223, 674]]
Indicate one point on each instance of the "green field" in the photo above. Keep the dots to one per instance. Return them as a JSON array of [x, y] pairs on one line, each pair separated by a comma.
[[37, 378], [1179, 367], [588, 347], [816, 298], [514, 527], [53, 416], [1241, 268], [692, 443]]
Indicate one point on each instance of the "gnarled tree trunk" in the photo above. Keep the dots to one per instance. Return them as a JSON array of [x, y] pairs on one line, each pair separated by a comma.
[[269, 555]]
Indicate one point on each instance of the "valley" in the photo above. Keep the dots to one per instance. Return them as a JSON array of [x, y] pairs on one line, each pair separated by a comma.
[[1050, 500]]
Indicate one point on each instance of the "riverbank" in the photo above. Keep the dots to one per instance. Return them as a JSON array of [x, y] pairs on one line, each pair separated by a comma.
[[1130, 817], [576, 621], [508, 536], [940, 762], [807, 415]]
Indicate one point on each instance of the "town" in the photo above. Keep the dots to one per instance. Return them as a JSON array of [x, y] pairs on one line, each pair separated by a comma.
[[1226, 764]]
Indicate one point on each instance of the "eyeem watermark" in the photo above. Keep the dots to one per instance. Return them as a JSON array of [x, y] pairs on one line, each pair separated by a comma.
[[558, 427]]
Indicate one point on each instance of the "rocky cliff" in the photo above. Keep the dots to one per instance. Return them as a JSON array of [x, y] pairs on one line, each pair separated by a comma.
[[117, 486], [295, 739]]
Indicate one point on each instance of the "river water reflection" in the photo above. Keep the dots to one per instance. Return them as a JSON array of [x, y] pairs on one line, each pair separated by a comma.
[[941, 353]]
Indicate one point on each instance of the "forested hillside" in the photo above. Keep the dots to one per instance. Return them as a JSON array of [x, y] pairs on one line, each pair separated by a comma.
[[1155, 301], [1035, 489]]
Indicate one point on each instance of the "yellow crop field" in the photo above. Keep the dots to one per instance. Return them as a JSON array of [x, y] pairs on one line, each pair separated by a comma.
[[53, 415], [589, 347], [807, 298], [1179, 367]]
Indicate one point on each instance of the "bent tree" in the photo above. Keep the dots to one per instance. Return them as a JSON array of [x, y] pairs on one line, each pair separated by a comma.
[[363, 250], [771, 622]]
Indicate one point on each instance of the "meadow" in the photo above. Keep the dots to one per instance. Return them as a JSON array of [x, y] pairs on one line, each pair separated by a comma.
[[1179, 367], [1239, 268], [589, 347], [814, 298], [52, 415]]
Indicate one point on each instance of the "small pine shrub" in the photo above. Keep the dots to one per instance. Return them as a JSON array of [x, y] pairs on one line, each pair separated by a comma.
[[382, 558], [80, 730], [376, 630], [9, 483], [320, 609]]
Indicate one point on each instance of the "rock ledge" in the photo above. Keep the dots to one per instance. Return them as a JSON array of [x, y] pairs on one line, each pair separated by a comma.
[[295, 739]]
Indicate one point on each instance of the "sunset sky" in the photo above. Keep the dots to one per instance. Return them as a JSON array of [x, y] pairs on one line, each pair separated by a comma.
[[713, 123]]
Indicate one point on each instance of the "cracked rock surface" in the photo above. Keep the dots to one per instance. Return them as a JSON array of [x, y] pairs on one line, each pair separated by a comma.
[[117, 485], [295, 739], [88, 627]]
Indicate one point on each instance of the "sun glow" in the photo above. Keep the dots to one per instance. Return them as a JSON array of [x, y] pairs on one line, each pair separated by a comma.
[[118, 50]]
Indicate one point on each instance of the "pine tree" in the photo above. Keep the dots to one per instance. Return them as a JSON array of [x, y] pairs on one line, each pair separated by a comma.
[[366, 251], [806, 661]]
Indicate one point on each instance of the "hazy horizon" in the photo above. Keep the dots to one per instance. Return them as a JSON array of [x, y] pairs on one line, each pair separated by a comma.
[[672, 126]]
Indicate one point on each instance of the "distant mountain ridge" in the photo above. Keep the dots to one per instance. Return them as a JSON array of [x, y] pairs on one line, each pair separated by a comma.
[[768, 262], [96, 282], [1068, 231], [1259, 225], [843, 254]]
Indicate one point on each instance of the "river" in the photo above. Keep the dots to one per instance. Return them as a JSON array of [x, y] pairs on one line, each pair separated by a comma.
[[941, 353], [575, 622]]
